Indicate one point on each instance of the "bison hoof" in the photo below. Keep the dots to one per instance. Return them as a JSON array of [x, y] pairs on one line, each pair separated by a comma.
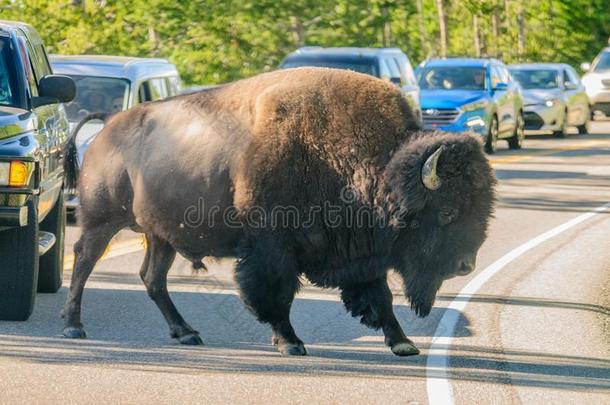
[[192, 339], [292, 349], [73, 332], [404, 349]]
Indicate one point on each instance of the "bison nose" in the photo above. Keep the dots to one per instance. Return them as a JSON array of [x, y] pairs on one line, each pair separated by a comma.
[[467, 265]]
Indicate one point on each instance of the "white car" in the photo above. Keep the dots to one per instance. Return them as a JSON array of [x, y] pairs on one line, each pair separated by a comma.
[[597, 82], [109, 84]]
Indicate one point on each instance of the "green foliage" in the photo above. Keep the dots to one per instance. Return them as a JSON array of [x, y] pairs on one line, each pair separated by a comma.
[[213, 42]]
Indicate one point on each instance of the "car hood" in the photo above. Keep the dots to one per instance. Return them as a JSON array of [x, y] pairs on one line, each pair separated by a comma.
[[449, 98], [539, 96], [15, 121]]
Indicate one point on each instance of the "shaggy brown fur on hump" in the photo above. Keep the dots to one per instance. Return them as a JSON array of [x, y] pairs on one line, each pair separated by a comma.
[[316, 130]]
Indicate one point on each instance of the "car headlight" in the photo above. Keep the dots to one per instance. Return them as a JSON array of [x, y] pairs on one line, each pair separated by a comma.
[[14, 174], [477, 105], [550, 103]]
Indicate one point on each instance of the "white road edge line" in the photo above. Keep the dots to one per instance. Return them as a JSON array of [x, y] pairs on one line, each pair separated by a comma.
[[438, 386]]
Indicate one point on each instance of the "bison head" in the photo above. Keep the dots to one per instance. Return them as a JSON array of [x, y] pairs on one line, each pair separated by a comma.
[[441, 188]]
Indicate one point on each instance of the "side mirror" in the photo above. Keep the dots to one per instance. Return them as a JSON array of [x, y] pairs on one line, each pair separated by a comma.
[[54, 89], [585, 67], [570, 86], [501, 86]]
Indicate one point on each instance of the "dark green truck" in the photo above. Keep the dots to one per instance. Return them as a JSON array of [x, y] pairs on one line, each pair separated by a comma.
[[33, 137]]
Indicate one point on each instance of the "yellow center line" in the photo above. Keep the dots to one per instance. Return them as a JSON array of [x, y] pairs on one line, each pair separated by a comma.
[[522, 158], [113, 250]]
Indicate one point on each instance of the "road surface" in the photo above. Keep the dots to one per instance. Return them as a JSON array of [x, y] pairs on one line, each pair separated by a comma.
[[532, 329]]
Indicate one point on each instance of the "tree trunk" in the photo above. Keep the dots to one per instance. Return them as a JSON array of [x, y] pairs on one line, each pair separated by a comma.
[[442, 24], [477, 35], [298, 30], [422, 28], [387, 28], [495, 31], [521, 31]]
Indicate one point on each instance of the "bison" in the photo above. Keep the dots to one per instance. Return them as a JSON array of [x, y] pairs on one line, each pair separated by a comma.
[[338, 154]]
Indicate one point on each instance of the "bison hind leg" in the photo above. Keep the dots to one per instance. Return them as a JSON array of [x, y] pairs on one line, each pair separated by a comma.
[[268, 280], [158, 259], [87, 251]]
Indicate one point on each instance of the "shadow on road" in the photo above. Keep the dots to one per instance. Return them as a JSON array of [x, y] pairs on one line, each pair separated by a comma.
[[127, 332]]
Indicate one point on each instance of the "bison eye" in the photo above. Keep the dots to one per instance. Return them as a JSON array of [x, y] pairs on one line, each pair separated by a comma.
[[447, 215]]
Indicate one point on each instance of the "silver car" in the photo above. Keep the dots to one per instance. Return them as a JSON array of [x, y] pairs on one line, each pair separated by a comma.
[[554, 98], [109, 84]]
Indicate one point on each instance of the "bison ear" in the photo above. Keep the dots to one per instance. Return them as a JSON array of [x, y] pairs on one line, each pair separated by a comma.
[[410, 176]]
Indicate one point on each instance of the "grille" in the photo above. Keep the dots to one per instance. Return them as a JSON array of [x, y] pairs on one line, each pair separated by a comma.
[[532, 120], [439, 116]]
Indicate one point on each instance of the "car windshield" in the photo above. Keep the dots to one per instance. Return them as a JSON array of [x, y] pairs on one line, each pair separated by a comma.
[[365, 66], [602, 63], [97, 94], [452, 78], [9, 95], [536, 79]]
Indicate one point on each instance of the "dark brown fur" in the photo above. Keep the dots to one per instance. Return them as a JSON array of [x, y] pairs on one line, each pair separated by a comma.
[[294, 139]]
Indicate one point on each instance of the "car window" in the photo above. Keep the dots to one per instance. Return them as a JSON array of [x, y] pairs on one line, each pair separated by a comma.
[[39, 62], [152, 90], [384, 69], [602, 62], [572, 75], [174, 85], [8, 82], [368, 67], [496, 76], [409, 74], [158, 88], [29, 72], [505, 75], [537, 78], [97, 94], [452, 78], [394, 70]]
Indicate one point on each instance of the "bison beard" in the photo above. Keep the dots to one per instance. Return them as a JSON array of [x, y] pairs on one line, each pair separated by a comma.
[[297, 138]]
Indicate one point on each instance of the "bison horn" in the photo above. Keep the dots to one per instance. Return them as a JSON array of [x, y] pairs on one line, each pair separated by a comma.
[[428, 172]]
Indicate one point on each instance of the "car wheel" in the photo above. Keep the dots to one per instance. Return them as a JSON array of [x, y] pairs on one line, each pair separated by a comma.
[[563, 131], [19, 275], [492, 136], [516, 141], [51, 270]]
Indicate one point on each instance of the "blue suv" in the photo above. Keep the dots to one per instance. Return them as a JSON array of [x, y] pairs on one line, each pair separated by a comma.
[[477, 95]]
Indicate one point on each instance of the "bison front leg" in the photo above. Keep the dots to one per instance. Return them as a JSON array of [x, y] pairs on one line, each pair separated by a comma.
[[268, 281], [159, 258], [373, 303]]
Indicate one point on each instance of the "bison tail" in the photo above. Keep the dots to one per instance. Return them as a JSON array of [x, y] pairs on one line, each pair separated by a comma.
[[71, 163]]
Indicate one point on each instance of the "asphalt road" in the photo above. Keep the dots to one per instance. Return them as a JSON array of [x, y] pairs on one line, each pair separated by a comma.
[[538, 331]]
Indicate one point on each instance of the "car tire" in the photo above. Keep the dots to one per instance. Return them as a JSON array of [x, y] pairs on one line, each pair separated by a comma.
[[492, 136], [50, 274], [19, 275], [563, 131], [582, 129], [516, 141]]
